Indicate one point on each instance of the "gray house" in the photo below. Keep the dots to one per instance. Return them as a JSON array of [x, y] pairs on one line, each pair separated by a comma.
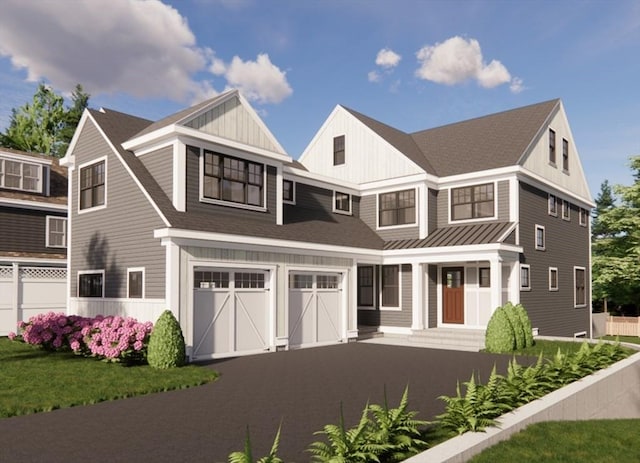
[[33, 226], [204, 213]]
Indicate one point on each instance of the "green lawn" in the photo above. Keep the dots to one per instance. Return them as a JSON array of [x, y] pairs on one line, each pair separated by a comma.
[[629, 339], [33, 380], [602, 441]]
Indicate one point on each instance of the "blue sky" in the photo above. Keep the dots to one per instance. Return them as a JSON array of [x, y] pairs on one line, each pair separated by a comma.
[[411, 64]]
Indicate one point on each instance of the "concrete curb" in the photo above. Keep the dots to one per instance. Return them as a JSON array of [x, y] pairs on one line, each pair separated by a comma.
[[610, 393]]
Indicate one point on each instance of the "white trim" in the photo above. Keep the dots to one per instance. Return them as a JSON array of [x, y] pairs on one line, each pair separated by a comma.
[[544, 238], [84, 166], [86, 272], [320, 181], [528, 267], [340, 211], [586, 303], [48, 230], [57, 263], [24, 157], [293, 191], [179, 177], [417, 296], [397, 184], [544, 184], [136, 269], [422, 210], [37, 205], [279, 193], [394, 329], [557, 287]]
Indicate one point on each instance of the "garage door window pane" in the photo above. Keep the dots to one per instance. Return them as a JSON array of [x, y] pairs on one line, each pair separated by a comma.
[[327, 281], [205, 279], [300, 281], [249, 280]]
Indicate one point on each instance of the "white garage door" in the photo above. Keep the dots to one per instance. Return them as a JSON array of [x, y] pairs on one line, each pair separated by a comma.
[[230, 312], [315, 309]]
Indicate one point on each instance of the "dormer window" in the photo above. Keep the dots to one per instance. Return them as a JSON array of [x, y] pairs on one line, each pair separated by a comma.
[[231, 179], [288, 191], [338, 150], [18, 175], [341, 202]]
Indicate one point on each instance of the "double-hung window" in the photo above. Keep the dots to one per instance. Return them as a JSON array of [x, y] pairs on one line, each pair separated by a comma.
[[552, 147], [553, 205], [92, 185], [472, 202], [553, 279], [565, 155], [231, 179], [390, 286], [18, 175], [525, 277], [56, 232], [583, 217], [365, 286], [397, 208], [342, 202], [566, 210], [580, 284], [540, 238], [338, 150]]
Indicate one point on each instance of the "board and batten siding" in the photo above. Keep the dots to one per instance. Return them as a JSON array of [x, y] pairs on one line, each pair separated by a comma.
[[391, 317], [159, 163], [119, 236], [502, 197], [193, 193], [369, 215], [231, 120], [25, 230], [566, 246]]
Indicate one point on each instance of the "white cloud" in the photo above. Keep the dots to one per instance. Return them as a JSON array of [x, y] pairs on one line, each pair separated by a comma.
[[517, 85], [457, 60], [387, 58], [142, 48], [374, 76], [259, 80]]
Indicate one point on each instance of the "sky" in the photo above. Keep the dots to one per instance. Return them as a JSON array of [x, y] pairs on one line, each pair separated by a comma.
[[412, 64]]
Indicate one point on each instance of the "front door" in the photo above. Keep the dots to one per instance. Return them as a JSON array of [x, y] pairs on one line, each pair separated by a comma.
[[453, 295]]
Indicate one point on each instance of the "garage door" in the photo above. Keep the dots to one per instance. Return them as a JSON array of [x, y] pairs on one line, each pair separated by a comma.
[[230, 312], [315, 309]]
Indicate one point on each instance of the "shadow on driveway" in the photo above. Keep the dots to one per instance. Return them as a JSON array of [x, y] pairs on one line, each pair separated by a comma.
[[302, 388]]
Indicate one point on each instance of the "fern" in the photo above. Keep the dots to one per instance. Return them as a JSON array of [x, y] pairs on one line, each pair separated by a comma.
[[247, 457]]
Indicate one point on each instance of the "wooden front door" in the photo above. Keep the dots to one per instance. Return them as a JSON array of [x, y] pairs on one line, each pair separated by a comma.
[[453, 295]]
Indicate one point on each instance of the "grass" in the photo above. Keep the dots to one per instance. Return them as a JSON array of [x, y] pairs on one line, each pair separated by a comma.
[[629, 339], [549, 348], [34, 380], [603, 441]]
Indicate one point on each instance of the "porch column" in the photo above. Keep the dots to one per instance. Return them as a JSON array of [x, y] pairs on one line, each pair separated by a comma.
[[496, 282], [172, 290], [417, 297], [352, 302], [514, 283]]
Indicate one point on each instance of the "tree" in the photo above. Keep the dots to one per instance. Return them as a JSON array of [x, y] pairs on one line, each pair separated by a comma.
[[44, 125], [616, 247]]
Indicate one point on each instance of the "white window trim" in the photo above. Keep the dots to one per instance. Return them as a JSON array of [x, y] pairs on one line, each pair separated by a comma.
[[544, 238], [106, 185], [586, 295], [566, 205], [551, 270], [373, 289], [338, 211], [551, 213], [48, 229], [222, 202], [404, 225], [137, 269], [22, 162], [399, 306], [525, 288], [479, 219], [293, 189], [586, 213], [84, 272]]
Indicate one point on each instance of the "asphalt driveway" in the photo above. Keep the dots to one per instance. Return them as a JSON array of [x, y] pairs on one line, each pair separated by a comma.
[[302, 388]]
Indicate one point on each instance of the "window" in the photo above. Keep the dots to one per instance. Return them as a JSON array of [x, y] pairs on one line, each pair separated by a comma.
[[288, 191], [525, 277], [135, 283], [92, 185], [338, 150], [327, 281], [472, 202], [580, 285], [341, 202], [19, 175], [540, 238], [553, 279], [208, 279], [231, 179], [91, 283], [248, 280], [390, 286], [300, 281], [397, 208], [365, 286], [566, 210], [565, 155], [553, 206], [484, 277], [583, 217], [56, 232], [552, 147]]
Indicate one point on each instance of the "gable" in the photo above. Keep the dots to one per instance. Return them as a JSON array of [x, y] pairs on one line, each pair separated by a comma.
[[368, 156], [536, 159], [232, 120]]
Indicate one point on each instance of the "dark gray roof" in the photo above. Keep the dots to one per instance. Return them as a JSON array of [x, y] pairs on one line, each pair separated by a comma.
[[488, 142], [457, 235]]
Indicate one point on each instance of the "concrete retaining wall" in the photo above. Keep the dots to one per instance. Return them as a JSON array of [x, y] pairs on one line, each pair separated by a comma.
[[610, 393]]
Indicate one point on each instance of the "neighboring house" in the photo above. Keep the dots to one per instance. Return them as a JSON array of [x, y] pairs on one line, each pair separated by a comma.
[[203, 212], [33, 240]]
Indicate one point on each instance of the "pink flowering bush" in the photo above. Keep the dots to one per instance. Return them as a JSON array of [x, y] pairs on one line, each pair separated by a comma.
[[113, 338]]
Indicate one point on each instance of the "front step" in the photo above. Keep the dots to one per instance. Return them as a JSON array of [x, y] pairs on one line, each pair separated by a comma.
[[451, 339]]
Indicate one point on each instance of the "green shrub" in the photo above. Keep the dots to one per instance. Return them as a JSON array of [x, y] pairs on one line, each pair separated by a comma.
[[526, 325], [499, 337], [516, 324], [166, 344]]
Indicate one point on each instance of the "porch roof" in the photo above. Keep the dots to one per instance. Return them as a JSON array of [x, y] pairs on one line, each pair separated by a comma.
[[457, 235]]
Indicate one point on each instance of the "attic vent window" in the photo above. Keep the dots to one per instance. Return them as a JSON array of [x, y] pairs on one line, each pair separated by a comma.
[[338, 150]]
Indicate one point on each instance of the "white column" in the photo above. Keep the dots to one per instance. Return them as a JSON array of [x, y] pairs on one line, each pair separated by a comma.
[[279, 206], [496, 282], [417, 296], [172, 291], [351, 299], [514, 290]]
